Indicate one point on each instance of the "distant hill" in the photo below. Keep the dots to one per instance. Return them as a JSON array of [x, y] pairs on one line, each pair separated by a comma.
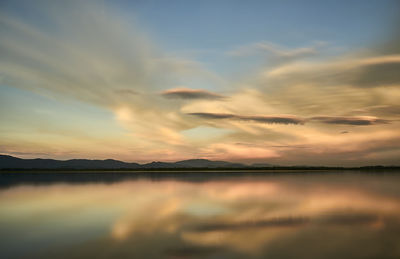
[[261, 165], [10, 162], [206, 163], [14, 163]]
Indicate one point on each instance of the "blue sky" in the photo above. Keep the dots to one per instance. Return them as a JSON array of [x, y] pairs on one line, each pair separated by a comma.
[[207, 29], [226, 24]]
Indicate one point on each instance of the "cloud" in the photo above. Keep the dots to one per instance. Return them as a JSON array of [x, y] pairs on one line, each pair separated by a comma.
[[126, 91], [360, 121], [186, 93], [208, 115], [94, 55], [355, 71], [282, 119], [276, 53], [379, 74], [388, 110], [289, 119], [292, 119], [272, 146]]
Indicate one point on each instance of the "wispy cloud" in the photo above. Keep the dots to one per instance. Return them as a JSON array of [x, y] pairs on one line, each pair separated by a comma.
[[282, 119], [373, 71], [291, 119], [126, 91], [274, 52], [345, 120], [97, 57], [187, 93]]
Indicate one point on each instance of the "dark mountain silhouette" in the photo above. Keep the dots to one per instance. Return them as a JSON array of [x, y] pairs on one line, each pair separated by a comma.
[[10, 162], [158, 165], [14, 162], [206, 163], [261, 165]]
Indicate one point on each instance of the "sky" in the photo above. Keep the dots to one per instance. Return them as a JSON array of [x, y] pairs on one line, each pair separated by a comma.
[[279, 82]]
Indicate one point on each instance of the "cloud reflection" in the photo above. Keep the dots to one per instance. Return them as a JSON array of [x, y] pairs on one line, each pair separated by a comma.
[[212, 218]]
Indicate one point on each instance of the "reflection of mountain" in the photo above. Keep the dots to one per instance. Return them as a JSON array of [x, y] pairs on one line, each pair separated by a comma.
[[14, 162]]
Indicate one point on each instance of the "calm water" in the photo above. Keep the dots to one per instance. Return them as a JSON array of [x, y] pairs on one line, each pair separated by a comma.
[[300, 215]]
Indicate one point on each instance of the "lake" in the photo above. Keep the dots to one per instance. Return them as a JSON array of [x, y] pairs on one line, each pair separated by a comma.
[[200, 215]]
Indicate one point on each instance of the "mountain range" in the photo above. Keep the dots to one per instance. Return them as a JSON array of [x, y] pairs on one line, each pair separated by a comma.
[[10, 162]]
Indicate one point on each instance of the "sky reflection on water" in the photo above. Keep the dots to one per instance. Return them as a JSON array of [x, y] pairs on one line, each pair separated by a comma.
[[275, 216]]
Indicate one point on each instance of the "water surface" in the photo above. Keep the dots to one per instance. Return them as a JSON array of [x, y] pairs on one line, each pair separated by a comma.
[[282, 215]]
